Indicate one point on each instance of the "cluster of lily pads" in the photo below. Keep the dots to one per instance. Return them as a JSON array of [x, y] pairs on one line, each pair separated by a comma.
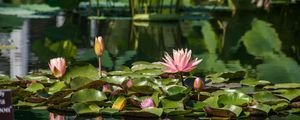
[[150, 90]]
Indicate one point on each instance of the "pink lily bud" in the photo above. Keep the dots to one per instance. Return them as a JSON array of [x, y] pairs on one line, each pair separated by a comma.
[[106, 88], [198, 84], [148, 102], [99, 46], [129, 83], [57, 67]]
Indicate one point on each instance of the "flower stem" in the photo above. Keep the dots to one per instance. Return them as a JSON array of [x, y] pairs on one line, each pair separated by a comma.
[[198, 95], [181, 77], [99, 63]]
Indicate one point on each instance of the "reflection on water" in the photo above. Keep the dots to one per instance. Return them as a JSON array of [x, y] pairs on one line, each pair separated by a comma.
[[222, 43], [19, 57]]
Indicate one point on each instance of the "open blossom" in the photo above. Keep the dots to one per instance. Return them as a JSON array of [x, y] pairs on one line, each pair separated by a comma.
[[57, 67], [148, 102], [180, 61], [198, 84], [99, 46]]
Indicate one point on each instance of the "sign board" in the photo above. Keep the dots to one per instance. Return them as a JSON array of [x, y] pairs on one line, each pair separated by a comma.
[[6, 108]]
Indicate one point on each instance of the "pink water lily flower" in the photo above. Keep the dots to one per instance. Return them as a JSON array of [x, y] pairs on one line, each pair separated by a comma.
[[57, 67], [148, 102], [180, 62]]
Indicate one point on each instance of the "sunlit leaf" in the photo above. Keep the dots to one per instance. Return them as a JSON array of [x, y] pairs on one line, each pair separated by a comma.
[[86, 95], [56, 87], [85, 70], [78, 82], [84, 108], [254, 82], [34, 87]]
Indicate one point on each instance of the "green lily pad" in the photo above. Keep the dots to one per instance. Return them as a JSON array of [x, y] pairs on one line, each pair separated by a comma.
[[254, 82], [262, 107], [35, 77], [167, 104], [233, 108], [267, 98], [219, 112], [142, 89], [35, 87], [86, 95], [143, 66], [153, 110], [78, 82], [115, 79], [289, 94], [56, 87], [85, 70], [212, 101], [216, 79], [176, 89], [109, 111], [194, 114], [150, 72], [170, 112], [120, 73], [155, 97], [199, 105], [280, 106], [26, 104], [283, 86], [85, 108], [234, 98]]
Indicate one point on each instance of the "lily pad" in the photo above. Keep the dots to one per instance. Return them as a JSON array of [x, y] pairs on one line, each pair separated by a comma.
[[254, 82], [234, 98], [86, 95], [78, 82], [85, 70], [289, 94], [267, 98], [212, 101], [176, 89], [233, 108], [283, 86], [144, 66], [56, 87], [27, 104], [219, 112], [115, 79], [170, 112], [261, 107], [153, 110], [85, 108], [35, 87]]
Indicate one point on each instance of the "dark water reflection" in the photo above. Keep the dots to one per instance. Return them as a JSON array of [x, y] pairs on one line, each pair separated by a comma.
[[217, 41]]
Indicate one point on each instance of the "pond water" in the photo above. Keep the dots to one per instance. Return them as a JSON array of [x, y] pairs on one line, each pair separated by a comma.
[[248, 42]]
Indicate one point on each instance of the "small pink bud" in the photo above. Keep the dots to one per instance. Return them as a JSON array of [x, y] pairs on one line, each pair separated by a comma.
[[148, 102], [106, 88], [129, 83]]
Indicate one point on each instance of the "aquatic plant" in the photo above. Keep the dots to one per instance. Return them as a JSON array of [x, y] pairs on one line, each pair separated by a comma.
[[180, 62], [57, 67], [148, 102], [99, 48]]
